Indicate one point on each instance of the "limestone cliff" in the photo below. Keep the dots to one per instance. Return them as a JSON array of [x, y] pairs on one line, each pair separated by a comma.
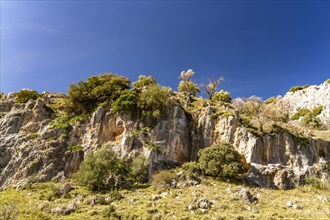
[[30, 144]]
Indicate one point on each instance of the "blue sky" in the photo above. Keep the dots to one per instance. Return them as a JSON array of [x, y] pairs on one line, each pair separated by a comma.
[[261, 48]]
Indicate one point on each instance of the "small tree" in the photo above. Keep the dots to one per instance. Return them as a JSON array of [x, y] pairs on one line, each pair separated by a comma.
[[187, 86], [127, 101], [221, 161], [101, 170], [144, 82], [212, 87], [154, 99], [222, 96]]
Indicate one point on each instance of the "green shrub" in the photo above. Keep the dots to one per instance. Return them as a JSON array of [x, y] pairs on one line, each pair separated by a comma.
[[222, 114], [75, 148], [62, 122], [270, 100], [162, 179], [154, 99], [309, 118], [328, 81], [300, 113], [300, 139], [127, 102], [103, 89], [25, 95], [297, 88], [188, 87], [53, 193], [143, 131], [190, 169], [317, 110], [139, 169], [155, 147], [101, 170], [221, 161], [315, 182], [144, 82], [222, 96]]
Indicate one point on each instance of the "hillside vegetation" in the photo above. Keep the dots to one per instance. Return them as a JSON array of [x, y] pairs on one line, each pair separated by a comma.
[[115, 149]]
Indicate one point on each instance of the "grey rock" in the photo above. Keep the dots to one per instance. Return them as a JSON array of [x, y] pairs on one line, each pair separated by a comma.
[[155, 197], [247, 196]]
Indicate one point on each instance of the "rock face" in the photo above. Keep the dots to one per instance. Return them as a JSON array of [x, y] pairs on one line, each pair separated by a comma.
[[31, 146], [310, 98]]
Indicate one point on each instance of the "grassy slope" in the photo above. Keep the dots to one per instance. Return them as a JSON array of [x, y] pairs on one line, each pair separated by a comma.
[[138, 203]]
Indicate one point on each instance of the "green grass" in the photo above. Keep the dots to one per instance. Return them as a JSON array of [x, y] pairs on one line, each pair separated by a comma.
[[138, 203]]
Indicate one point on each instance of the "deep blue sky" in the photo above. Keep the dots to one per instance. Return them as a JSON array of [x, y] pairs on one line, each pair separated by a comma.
[[260, 47]]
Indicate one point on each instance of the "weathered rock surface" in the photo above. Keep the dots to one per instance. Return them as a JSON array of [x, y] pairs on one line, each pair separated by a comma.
[[311, 97], [29, 145]]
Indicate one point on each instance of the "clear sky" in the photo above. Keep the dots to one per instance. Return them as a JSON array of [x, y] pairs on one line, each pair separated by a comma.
[[261, 48]]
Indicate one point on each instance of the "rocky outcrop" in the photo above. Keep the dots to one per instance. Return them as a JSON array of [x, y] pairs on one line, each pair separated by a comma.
[[311, 97], [30, 146]]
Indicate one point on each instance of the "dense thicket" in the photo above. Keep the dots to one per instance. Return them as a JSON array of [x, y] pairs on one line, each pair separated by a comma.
[[221, 161], [103, 89], [25, 95]]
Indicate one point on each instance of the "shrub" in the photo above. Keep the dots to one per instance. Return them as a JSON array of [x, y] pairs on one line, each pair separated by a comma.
[[300, 139], [300, 113], [101, 170], [270, 100], [190, 169], [328, 81], [222, 96], [25, 95], [162, 179], [103, 89], [154, 99], [221, 161], [53, 193], [317, 110], [62, 122], [187, 86], [75, 148], [127, 101], [309, 118], [315, 182], [139, 169], [1, 95], [144, 82], [297, 88]]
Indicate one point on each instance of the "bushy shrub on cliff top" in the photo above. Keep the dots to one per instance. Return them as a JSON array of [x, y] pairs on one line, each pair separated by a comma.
[[222, 96], [144, 82], [127, 101], [25, 95], [297, 88], [221, 161], [103, 89]]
